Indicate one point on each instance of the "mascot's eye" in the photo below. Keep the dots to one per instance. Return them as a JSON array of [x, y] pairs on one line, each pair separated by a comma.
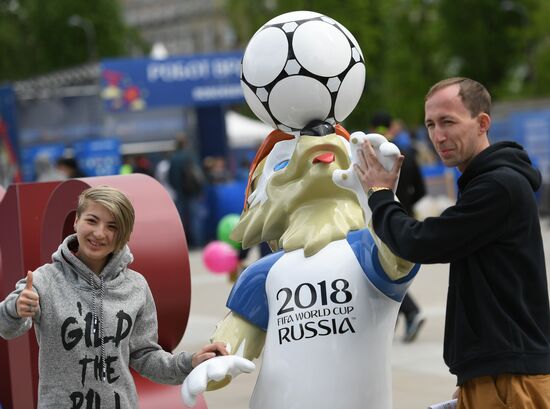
[[280, 165]]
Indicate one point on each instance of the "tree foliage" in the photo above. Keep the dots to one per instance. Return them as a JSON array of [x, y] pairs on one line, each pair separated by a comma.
[[411, 44], [408, 44], [36, 36]]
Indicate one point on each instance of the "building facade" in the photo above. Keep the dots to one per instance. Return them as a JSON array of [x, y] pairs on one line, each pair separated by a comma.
[[181, 26]]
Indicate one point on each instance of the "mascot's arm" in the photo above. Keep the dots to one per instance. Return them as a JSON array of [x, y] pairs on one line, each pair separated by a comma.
[[241, 337], [387, 153], [394, 267]]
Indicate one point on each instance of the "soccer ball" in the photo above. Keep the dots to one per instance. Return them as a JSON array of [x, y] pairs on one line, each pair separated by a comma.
[[300, 67]]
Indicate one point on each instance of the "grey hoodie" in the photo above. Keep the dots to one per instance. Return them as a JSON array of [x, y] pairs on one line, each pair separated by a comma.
[[120, 303]]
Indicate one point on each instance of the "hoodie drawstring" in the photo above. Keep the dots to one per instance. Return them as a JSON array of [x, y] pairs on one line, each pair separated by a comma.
[[97, 322]]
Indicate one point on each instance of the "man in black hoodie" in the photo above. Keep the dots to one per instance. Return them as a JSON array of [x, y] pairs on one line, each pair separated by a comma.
[[497, 327]]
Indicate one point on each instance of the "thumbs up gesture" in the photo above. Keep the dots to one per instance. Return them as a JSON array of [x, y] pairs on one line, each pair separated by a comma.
[[27, 303]]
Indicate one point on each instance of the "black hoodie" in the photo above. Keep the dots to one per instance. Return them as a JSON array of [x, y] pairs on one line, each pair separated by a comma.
[[498, 314]]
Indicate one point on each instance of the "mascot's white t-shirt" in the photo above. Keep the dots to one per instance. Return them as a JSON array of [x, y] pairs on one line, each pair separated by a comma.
[[330, 321]]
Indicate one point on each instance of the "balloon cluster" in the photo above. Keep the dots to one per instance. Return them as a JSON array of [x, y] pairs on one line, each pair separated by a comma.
[[222, 256]]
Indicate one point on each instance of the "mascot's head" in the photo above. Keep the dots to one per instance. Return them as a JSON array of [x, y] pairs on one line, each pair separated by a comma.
[[291, 200], [302, 73]]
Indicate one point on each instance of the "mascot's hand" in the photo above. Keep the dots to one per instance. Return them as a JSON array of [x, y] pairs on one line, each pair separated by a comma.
[[386, 152], [214, 369]]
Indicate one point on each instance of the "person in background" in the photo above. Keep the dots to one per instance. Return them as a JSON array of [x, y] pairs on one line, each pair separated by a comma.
[[186, 177], [68, 166], [142, 164], [216, 170], [162, 169], [45, 169], [497, 325], [127, 166], [94, 317], [410, 189]]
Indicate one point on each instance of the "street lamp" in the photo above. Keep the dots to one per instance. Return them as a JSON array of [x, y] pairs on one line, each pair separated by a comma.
[[89, 30]]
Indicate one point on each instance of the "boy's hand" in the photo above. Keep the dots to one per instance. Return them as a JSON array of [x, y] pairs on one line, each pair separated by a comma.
[[27, 303], [208, 352]]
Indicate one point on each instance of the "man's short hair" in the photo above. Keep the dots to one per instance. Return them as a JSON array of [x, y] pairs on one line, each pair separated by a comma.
[[475, 96]]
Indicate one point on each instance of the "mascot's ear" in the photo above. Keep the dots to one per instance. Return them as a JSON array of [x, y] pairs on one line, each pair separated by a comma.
[[317, 128], [340, 130]]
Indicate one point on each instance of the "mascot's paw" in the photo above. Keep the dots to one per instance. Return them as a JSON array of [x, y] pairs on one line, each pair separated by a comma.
[[386, 152], [214, 369]]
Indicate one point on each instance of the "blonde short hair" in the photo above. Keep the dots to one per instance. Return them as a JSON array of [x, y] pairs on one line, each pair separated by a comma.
[[117, 203]]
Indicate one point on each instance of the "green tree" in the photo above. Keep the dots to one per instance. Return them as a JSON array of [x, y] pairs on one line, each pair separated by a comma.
[[483, 38], [411, 58], [532, 73], [36, 36], [411, 44]]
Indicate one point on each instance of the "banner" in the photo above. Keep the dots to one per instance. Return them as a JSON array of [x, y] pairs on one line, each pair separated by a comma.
[[195, 80], [98, 157]]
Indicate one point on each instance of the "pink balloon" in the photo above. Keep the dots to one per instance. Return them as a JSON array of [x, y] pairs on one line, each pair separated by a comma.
[[220, 257]]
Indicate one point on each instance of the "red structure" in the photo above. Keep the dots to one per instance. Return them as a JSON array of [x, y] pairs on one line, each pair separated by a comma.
[[36, 217]]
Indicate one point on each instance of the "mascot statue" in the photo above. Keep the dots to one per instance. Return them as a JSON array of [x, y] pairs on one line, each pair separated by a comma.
[[323, 306]]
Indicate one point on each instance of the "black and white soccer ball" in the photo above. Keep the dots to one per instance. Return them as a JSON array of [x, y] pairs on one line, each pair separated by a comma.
[[300, 67]]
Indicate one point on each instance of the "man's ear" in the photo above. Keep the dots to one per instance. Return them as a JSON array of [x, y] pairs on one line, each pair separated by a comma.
[[484, 123]]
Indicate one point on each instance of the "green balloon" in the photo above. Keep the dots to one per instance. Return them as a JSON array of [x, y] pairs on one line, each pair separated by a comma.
[[225, 227]]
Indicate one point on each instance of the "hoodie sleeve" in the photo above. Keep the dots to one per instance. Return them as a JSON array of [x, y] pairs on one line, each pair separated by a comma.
[[147, 357], [11, 325], [478, 218]]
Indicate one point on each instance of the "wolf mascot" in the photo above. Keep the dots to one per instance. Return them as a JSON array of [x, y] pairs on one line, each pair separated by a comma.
[[322, 308]]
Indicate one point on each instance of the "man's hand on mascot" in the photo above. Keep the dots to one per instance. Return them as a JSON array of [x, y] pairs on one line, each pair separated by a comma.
[[215, 369], [376, 171], [385, 156]]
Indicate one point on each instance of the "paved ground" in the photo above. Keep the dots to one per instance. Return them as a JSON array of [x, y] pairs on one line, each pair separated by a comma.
[[420, 377]]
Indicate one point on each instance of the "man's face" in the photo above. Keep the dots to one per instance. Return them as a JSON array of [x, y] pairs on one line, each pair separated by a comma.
[[455, 134]]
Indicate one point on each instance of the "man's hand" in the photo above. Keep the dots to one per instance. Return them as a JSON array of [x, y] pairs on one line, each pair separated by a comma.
[[27, 303], [214, 369], [386, 154], [371, 171]]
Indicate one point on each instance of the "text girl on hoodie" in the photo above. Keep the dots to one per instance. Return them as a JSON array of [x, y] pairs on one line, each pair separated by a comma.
[[94, 317]]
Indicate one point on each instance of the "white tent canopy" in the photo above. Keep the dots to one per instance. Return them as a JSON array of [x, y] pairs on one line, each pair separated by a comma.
[[244, 132]]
